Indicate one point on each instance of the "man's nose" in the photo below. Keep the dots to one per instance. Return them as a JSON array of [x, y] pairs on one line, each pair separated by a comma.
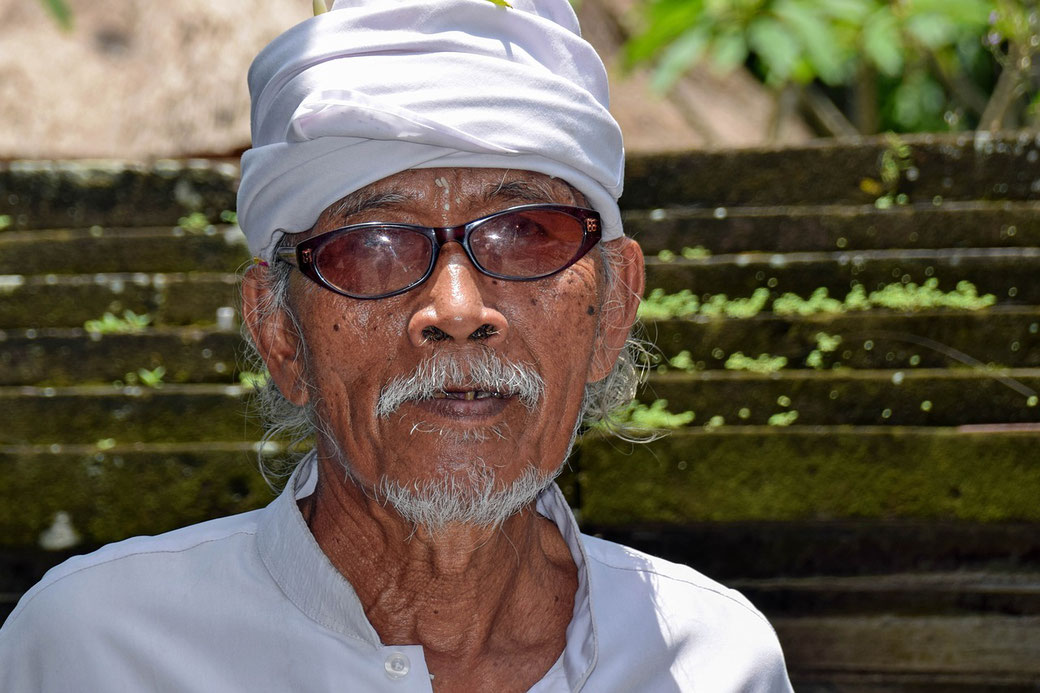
[[454, 308]]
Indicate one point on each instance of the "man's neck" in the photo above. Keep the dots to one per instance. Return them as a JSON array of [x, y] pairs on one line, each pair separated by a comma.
[[480, 601]]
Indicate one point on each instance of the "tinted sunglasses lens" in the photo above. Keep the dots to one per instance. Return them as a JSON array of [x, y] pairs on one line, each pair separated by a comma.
[[528, 243], [374, 261]]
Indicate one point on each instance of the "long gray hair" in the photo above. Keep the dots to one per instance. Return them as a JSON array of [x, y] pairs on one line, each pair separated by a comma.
[[286, 424]]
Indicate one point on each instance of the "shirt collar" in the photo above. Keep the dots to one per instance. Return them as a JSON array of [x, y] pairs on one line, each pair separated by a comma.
[[309, 580]]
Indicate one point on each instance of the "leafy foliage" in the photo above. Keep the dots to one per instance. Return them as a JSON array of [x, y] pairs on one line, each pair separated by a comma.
[[111, 324], [928, 62]]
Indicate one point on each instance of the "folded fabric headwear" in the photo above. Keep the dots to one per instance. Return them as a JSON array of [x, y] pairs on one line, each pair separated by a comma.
[[375, 87]]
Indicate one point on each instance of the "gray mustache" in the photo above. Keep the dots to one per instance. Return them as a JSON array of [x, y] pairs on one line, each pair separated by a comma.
[[481, 370]]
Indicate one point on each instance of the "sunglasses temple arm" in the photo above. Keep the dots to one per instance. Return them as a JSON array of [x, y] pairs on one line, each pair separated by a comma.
[[287, 254]]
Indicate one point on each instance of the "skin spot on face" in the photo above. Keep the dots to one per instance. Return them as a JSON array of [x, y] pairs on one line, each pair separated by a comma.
[[534, 302], [335, 327], [591, 310]]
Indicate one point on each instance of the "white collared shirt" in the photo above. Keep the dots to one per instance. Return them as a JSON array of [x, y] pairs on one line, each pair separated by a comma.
[[250, 603]]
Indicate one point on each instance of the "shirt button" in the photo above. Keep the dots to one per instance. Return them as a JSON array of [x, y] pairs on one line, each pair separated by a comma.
[[396, 666]]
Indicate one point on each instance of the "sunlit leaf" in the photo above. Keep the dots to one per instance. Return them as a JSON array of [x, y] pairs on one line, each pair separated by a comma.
[[819, 39], [775, 45], [729, 51], [668, 19], [968, 13], [851, 11], [883, 43], [686, 51], [933, 31]]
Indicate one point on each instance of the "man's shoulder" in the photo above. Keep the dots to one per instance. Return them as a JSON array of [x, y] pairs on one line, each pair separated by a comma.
[[134, 564], [662, 576], [689, 626]]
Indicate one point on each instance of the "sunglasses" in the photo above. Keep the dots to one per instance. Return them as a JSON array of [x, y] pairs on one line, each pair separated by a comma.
[[378, 259]]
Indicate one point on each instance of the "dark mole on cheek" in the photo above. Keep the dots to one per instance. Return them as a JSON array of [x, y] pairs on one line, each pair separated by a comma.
[[534, 302], [335, 327], [590, 310]]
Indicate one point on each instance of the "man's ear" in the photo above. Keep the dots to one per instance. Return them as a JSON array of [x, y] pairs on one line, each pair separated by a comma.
[[618, 313], [274, 335]]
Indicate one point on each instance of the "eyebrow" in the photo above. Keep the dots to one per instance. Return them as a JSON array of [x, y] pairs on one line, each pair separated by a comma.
[[526, 191], [363, 201]]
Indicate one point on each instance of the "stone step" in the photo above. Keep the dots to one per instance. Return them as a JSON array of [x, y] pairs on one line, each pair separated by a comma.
[[53, 194], [903, 594], [91, 413], [913, 397], [68, 300], [124, 490], [213, 412], [796, 502], [982, 650], [72, 356], [953, 167], [54, 300], [1007, 273], [89, 251], [718, 231], [876, 339], [819, 473], [87, 413], [1005, 335], [837, 227]]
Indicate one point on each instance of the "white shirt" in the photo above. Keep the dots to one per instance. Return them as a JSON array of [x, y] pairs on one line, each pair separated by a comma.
[[250, 603]]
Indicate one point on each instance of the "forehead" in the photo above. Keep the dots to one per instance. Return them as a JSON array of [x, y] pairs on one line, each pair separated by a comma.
[[449, 192]]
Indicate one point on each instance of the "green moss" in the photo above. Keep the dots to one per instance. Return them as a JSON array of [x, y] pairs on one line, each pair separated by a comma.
[[110, 495], [791, 474]]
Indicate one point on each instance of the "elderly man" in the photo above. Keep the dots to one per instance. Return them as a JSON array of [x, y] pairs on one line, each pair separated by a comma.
[[442, 293]]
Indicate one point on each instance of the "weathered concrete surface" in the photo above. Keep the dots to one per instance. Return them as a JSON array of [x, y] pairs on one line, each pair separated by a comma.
[[64, 357], [116, 493], [993, 646], [90, 251], [783, 229], [955, 167], [85, 414], [1006, 336], [47, 195], [822, 474], [849, 397], [1007, 273]]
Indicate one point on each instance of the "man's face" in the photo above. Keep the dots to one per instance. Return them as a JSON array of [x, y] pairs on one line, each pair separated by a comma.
[[354, 350]]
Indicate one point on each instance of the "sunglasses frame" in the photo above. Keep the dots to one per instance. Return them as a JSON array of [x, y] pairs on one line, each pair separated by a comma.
[[302, 254]]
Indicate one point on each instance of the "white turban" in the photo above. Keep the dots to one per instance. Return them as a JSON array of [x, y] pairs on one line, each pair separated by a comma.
[[375, 87]]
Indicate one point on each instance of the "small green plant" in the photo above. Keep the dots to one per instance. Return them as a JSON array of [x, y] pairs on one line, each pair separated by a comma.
[[229, 217], [149, 378], [110, 324], [196, 222], [653, 417], [698, 252], [664, 306], [252, 380], [783, 418], [895, 161], [763, 363], [825, 344]]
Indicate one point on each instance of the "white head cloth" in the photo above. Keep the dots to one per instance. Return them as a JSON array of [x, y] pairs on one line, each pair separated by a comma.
[[375, 87]]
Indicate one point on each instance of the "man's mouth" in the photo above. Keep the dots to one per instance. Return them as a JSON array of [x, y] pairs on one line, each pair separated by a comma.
[[469, 395]]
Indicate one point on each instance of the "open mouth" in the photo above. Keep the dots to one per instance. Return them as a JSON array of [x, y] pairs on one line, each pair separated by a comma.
[[469, 395]]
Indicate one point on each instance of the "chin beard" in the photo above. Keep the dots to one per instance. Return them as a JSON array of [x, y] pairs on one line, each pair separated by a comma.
[[471, 497]]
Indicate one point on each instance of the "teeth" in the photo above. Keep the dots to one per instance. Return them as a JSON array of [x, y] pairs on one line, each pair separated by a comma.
[[467, 395]]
